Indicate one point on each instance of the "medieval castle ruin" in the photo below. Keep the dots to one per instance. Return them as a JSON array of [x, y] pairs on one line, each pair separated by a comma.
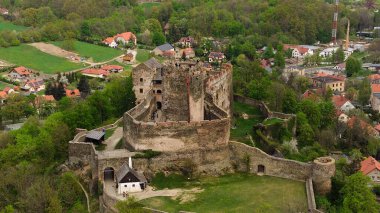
[[183, 111]]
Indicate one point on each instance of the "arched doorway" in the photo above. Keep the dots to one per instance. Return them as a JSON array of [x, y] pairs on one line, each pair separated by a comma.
[[109, 174], [261, 169], [159, 105]]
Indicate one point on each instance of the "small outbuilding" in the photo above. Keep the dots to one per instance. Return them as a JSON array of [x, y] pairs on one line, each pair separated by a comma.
[[129, 180], [96, 137]]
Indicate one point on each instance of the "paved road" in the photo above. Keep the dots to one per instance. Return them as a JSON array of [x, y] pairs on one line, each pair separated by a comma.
[[114, 139]]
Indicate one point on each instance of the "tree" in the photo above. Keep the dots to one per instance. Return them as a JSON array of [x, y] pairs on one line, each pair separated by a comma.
[[158, 38], [68, 44], [357, 196], [304, 131], [69, 190], [290, 104], [339, 56], [353, 66], [279, 60], [83, 86], [312, 112], [364, 92], [268, 53], [17, 106]]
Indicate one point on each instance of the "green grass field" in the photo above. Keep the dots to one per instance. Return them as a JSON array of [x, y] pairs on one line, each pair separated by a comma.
[[238, 193], [31, 57], [96, 52], [142, 55], [3, 85], [244, 127], [9, 26]]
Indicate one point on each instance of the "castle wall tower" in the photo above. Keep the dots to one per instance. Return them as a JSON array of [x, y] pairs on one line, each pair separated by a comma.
[[323, 171], [196, 95]]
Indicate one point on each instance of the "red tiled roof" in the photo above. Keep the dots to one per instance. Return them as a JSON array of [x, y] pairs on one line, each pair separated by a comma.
[[368, 165], [364, 125], [16, 88], [111, 67], [3, 95], [72, 93], [6, 89], [22, 71], [375, 88], [95, 72], [374, 77], [339, 100], [126, 36], [108, 40], [377, 127], [300, 49]]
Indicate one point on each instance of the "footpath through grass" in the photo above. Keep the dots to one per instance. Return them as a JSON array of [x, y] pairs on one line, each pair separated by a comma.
[[9, 26], [235, 193], [96, 52], [31, 57]]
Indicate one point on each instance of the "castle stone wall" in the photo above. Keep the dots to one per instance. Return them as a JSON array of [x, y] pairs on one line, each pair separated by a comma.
[[278, 167]]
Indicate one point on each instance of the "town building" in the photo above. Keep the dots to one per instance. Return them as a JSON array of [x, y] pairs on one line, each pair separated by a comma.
[[112, 68], [371, 167], [371, 67], [216, 57], [375, 97], [186, 42], [72, 93], [95, 73], [374, 78], [187, 53], [366, 127], [299, 51], [164, 50], [341, 103], [123, 38], [20, 74], [335, 83]]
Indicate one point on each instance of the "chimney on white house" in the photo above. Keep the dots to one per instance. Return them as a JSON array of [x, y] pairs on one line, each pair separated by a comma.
[[130, 162]]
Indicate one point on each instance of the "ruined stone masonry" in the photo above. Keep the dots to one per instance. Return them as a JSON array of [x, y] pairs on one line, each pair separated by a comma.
[[183, 110]]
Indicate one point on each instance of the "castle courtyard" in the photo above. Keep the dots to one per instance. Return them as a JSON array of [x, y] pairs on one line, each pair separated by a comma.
[[236, 193]]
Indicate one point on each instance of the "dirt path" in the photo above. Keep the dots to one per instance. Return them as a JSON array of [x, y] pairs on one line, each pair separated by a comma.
[[114, 139], [56, 51]]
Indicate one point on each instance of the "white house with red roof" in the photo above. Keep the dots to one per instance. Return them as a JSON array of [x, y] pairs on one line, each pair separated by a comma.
[[34, 85], [122, 38], [112, 68], [371, 168], [19, 73], [216, 57], [299, 51], [95, 73], [342, 103]]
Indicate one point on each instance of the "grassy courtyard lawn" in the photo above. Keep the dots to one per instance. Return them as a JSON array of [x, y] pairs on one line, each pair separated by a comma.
[[96, 52], [9, 26], [272, 121], [31, 57], [142, 55], [238, 193], [244, 127], [109, 133]]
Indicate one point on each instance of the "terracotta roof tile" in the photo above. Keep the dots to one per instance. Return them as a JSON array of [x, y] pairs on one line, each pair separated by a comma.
[[368, 165]]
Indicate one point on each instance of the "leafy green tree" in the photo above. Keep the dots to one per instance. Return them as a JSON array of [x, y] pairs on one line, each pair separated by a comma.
[[279, 60], [101, 104], [69, 191], [68, 44], [353, 66], [268, 53], [304, 131], [328, 115], [357, 196], [339, 56], [258, 89], [158, 38], [312, 112], [83, 86], [364, 92], [290, 104]]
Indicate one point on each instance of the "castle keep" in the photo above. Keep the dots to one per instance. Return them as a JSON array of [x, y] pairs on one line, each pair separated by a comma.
[[183, 111]]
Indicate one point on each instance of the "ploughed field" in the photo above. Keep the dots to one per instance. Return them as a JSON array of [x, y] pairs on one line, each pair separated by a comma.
[[232, 193], [31, 57], [96, 52]]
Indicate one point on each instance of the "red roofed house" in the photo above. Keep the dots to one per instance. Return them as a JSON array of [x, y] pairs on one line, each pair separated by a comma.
[[8, 90], [364, 125], [216, 57], [375, 97], [72, 93], [298, 51], [342, 103], [371, 168], [3, 97], [34, 85], [95, 73], [340, 67], [186, 41], [43, 100], [377, 127], [19, 73], [112, 68], [188, 53], [375, 78], [123, 38]]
